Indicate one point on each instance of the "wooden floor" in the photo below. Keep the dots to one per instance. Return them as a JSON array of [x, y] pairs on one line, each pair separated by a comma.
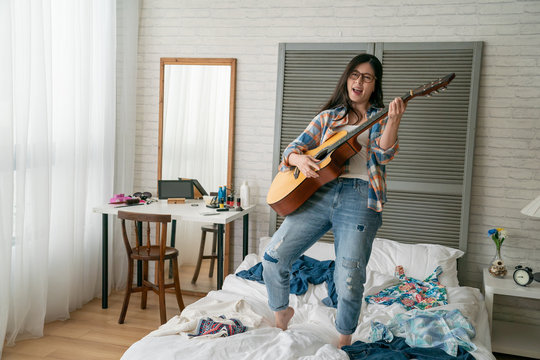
[[94, 333], [204, 283]]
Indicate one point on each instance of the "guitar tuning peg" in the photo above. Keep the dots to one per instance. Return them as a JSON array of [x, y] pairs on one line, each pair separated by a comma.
[[428, 95], [443, 88]]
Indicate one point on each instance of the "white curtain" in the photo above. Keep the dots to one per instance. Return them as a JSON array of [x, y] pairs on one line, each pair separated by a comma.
[[58, 100], [127, 26]]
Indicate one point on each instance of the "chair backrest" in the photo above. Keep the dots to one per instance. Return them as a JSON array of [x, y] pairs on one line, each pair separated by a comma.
[[160, 222]]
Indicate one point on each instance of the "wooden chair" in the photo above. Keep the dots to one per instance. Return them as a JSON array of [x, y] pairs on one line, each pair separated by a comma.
[[213, 256], [158, 252]]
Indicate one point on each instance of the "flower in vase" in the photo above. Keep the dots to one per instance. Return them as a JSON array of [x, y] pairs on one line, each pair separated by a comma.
[[497, 235], [497, 267]]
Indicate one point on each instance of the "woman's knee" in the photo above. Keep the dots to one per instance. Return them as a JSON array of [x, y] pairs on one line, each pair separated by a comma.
[[272, 253]]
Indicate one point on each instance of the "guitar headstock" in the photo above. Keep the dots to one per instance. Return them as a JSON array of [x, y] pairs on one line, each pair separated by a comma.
[[434, 86]]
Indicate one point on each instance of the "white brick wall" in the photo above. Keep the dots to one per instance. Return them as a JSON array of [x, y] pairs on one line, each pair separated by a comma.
[[507, 156]]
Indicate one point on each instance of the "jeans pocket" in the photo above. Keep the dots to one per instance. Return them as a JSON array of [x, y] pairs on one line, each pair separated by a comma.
[[361, 187]]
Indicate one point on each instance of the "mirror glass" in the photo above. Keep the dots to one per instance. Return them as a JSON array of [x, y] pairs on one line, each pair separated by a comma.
[[196, 136]]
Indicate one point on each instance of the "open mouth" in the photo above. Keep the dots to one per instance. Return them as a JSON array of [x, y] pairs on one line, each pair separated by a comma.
[[357, 91]]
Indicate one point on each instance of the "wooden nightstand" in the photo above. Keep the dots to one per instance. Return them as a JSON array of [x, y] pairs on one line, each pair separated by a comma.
[[507, 337]]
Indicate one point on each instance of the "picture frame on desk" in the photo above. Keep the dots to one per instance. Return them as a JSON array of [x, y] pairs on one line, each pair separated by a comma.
[[175, 189], [198, 190]]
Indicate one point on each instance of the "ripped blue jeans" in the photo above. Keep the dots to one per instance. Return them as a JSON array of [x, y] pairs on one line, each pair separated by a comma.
[[340, 205]]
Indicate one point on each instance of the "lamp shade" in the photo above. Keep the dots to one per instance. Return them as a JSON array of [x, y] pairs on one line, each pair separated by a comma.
[[532, 208]]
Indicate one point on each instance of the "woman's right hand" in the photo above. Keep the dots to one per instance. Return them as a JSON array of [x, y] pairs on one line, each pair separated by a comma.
[[307, 164]]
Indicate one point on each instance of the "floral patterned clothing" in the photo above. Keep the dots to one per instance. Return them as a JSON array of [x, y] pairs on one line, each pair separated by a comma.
[[443, 329], [413, 293]]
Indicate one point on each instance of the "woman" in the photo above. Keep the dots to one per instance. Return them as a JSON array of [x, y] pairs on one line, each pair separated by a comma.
[[350, 205]]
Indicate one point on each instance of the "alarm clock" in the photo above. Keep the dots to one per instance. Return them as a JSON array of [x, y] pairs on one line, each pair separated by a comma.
[[523, 275]]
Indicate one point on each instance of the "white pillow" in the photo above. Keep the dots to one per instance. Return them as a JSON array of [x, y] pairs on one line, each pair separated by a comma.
[[418, 260]]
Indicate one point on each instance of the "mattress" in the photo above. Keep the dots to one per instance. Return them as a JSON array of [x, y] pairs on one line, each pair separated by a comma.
[[311, 333]]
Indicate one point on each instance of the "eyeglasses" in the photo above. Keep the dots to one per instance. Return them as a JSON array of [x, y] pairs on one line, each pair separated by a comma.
[[143, 195], [367, 78]]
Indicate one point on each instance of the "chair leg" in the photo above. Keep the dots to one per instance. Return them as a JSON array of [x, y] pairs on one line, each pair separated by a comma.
[[177, 289], [161, 284], [144, 294], [128, 292], [212, 259], [199, 261]]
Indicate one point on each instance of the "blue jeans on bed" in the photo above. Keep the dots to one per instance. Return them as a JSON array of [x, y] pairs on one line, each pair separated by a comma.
[[340, 205]]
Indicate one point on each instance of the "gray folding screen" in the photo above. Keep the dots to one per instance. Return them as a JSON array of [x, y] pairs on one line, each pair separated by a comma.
[[429, 181]]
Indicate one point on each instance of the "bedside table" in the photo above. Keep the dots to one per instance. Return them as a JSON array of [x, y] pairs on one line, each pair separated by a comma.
[[507, 337]]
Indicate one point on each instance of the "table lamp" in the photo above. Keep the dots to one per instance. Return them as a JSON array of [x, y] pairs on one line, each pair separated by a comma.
[[533, 209]]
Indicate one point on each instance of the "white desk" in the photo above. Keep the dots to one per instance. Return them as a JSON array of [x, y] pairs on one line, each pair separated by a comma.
[[193, 210], [507, 337]]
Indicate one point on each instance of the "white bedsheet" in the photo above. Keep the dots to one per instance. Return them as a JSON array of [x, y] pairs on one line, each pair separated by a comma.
[[311, 333]]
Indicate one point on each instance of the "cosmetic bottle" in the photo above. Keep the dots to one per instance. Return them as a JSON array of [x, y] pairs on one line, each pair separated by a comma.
[[244, 194]]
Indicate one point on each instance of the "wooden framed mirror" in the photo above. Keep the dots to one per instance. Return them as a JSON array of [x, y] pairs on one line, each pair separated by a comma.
[[196, 135]]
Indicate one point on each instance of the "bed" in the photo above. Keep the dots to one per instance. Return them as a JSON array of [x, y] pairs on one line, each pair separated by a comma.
[[311, 333]]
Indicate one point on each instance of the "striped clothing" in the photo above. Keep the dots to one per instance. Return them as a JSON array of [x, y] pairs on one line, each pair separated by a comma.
[[326, 124]]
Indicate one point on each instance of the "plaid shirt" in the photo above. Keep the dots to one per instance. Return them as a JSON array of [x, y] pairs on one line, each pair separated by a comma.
[[324, 126]]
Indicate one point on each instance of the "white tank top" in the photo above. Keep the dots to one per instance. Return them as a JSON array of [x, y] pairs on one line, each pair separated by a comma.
[[358, 163]]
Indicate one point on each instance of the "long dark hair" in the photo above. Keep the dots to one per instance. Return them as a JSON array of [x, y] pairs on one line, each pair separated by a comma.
[[340, 97]]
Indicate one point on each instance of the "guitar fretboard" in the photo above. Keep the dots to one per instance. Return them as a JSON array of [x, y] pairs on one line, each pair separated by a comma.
[[373, 118]]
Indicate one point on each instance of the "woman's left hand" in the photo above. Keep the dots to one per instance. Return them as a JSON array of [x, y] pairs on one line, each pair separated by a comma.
[[395, 110]]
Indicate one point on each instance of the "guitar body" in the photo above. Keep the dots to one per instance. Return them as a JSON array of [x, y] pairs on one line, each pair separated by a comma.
[[288, 191]]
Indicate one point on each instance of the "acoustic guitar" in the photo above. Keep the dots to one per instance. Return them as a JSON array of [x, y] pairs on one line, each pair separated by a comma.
[[291, 188]]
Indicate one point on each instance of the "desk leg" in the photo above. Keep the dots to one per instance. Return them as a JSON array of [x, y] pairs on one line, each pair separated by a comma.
[[104, 261], [220, 256], [245, 236], [139, 262], [173, 242]]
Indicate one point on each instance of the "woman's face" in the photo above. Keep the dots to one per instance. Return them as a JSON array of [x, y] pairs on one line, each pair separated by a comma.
[[361, 84]]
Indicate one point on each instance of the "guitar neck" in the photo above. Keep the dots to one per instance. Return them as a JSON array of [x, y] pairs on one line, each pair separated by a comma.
[[368, 124]]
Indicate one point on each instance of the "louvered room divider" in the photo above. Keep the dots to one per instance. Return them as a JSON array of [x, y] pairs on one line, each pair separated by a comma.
[[429, 181]]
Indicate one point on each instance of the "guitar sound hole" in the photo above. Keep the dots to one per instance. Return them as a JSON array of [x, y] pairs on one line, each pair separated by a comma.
[[321, 154]]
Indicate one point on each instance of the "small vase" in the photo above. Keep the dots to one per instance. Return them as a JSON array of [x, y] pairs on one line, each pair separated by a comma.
[[497, 267]]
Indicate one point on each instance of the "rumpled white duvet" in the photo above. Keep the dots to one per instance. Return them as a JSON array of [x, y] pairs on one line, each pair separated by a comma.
[[311, 333]]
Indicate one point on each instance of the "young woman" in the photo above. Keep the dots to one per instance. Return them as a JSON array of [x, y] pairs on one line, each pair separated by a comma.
[[350, 205]]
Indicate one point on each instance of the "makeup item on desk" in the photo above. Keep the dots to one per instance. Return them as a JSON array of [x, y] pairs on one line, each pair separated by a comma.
[[244, 194], [223, 209], [220, 195], [238, 207], [121, 206]]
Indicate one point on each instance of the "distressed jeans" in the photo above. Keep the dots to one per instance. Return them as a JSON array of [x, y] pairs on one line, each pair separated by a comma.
[[340, 205]]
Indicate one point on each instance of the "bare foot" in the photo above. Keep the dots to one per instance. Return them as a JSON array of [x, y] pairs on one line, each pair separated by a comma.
[[344, 340], [283, 317]]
